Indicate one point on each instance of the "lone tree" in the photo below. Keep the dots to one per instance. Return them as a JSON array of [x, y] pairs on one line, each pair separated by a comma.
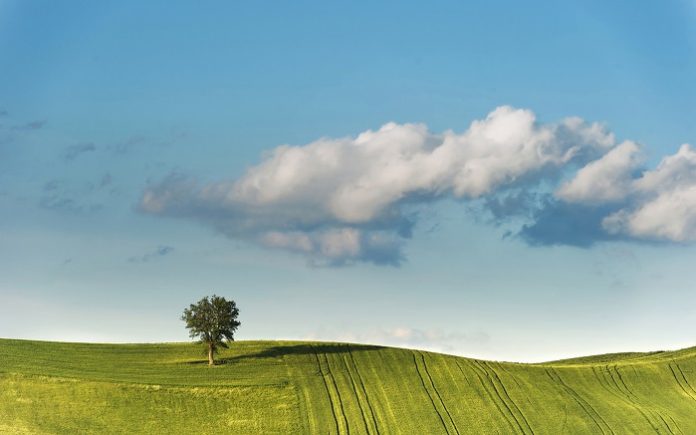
[[213, 321]]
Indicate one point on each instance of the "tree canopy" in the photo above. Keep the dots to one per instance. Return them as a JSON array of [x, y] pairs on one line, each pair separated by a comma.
[[213, 321]]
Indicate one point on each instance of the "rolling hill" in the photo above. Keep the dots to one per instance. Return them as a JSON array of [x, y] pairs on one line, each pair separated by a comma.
[[324, 388]]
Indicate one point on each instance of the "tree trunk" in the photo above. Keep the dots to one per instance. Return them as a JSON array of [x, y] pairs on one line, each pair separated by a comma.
[[211, 361]]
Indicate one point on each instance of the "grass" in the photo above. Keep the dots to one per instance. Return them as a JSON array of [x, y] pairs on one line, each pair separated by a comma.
[[323, 388]]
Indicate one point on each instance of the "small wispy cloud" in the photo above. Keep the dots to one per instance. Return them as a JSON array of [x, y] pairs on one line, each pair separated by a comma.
[[127, 145], [160, 251], [33, 125], [69, 196], [74, 151], [136, 142], [106, 180]]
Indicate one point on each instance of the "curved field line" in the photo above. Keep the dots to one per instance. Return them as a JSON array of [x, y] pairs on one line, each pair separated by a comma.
[[442, 420], [669, 428], [512, 422], [328, 392], [455, 378], [514, 378], [512, 402], [589, 410], [601, 379], [367, 398], [681, 385], [381, 393], [338, 393], [679, 382], [490, 395], [618, 392], [357, 395], [676, 425], [427, 372], [686, 381], [500, 397], [635, 400]]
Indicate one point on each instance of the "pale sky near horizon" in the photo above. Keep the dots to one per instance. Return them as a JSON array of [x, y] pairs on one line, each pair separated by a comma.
[[503, 180]]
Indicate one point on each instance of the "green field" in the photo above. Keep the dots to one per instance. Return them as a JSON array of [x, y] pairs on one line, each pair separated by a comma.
[[300, 387]]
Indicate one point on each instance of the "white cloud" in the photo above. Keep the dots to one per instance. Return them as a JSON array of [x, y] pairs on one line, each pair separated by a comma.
[[658, 204], [352, 199], [357, 180], [675, 171], [607, 179], [347, 199], [664, 203], [671, 216]]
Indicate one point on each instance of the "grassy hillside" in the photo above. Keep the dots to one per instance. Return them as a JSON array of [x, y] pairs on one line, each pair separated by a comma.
[[293, 387]]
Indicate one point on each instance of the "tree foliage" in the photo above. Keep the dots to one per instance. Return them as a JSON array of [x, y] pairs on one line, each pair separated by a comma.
[[213, 321]]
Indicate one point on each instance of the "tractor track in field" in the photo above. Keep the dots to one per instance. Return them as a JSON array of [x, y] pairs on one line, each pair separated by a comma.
[[495, 398], [676, 425], [589, 410], [616, 392], [357, 394], [685, 384], [681, 372], [328, 393], [681, 385], [514, 378], [490, 396], [330, 375], [512, 402], [633, 399], [637, 400], [427, 372], [367, 397], [503, 396], [430, 396], [517, 382], [466, 377], [669, 428], [338, 394]]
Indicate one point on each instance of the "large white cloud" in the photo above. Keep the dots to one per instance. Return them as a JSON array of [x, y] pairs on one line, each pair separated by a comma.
[[342, 200], [356, 180], [662, 203]]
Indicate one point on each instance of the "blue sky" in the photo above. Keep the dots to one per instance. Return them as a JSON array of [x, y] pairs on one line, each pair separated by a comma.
[[140, 169]]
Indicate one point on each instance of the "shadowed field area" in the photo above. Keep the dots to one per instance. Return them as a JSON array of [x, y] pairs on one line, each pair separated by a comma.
[[302, 387]]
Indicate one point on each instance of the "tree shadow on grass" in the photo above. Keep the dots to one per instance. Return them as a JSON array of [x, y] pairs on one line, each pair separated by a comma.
[[293, 349]]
